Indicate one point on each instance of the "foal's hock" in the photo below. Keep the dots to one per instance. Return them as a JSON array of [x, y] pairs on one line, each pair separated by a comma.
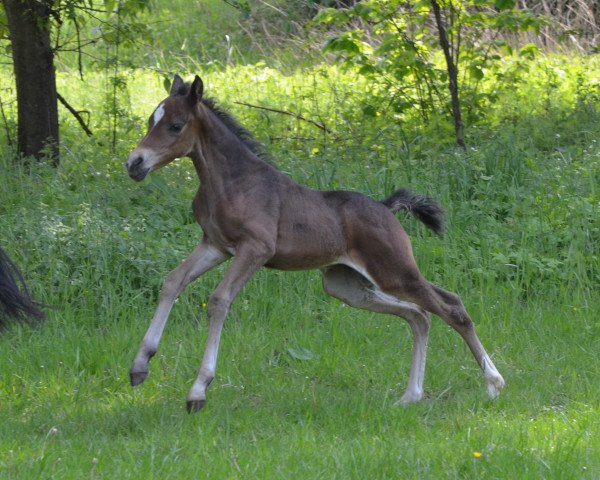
[[252, 212]]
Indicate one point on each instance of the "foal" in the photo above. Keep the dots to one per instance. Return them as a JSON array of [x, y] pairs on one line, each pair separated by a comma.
[[250, 211]]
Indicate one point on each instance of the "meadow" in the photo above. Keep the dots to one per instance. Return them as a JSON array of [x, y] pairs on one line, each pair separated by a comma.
[[307, 387]]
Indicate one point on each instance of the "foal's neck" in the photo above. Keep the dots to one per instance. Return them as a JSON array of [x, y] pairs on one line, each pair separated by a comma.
[[219, 154]]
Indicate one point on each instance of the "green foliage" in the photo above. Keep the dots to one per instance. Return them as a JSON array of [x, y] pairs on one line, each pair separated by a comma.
[[218, 33], [394, 44], [80, 27], [521, 202]]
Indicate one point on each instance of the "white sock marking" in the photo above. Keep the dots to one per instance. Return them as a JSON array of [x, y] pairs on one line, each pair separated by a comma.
[[495, 382]]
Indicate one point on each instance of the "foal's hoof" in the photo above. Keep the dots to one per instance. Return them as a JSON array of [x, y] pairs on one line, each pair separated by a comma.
[[195, 405], [135, 378], [410, 397], [495, 385]]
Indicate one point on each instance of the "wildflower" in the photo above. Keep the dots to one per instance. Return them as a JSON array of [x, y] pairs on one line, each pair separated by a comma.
[[477, 454]]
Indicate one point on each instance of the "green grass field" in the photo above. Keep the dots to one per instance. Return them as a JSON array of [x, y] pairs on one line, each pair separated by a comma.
[[306, 387]]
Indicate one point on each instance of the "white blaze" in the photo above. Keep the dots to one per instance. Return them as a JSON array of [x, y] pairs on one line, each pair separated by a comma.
[[159, 113]]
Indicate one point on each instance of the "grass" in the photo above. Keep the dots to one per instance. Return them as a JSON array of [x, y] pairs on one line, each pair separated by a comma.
[[305, 386], [273, 415]]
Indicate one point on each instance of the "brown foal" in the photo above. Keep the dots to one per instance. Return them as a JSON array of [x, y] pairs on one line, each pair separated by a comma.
[[252, 212]]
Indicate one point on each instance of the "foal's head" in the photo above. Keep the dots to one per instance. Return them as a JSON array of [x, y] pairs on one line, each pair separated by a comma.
[[170, 130]]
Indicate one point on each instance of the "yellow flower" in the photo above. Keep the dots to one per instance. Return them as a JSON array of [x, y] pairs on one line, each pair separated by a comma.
[[477, 454]]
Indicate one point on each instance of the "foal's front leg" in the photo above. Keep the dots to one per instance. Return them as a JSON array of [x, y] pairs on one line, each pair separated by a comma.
[[248, 259], [203, 258]]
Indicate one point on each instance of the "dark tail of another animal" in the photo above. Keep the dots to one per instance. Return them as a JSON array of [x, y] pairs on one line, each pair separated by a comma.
[[15, 301], [424, 208]]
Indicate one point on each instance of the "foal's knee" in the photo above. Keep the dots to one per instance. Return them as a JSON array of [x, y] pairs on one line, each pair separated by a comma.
[[218, 305], [172, 285]]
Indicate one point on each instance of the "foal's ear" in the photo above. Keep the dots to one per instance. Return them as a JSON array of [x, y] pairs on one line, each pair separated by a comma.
[[176, 85], [196, 90]]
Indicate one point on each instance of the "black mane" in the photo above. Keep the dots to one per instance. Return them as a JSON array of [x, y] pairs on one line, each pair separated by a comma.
[[238, 130], [232, 124]]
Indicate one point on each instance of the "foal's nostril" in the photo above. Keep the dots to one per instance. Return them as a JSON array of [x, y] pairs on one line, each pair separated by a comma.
[[136, 162]]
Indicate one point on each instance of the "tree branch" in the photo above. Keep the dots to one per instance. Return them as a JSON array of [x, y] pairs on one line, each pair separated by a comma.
[[291, 114], [76, 114]]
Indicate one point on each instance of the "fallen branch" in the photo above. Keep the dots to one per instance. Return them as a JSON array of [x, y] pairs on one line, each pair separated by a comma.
[[76, 114], [291, 114]]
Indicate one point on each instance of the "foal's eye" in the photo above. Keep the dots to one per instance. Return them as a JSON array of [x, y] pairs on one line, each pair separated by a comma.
[[176, 127]]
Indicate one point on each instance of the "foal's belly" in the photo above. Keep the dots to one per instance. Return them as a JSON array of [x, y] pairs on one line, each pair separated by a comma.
[[310, 249], [299, 262]]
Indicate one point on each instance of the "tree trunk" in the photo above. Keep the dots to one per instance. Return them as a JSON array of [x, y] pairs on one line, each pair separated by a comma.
[[452, 74], [33, 61]]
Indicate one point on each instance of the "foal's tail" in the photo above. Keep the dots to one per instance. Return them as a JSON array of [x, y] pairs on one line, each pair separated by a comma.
[[15, 300], [425, 209]]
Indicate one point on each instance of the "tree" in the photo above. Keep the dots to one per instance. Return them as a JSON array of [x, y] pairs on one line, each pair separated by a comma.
[[452, 74], [33, 61], [396, 44], [38, 31]]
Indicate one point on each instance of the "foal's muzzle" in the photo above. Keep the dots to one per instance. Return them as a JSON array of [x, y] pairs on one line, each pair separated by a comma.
[[135, 167]]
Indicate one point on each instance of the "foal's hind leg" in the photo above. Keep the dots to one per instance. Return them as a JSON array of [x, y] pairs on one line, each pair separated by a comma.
[[449, 307], [354, 289], [202, 259]]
